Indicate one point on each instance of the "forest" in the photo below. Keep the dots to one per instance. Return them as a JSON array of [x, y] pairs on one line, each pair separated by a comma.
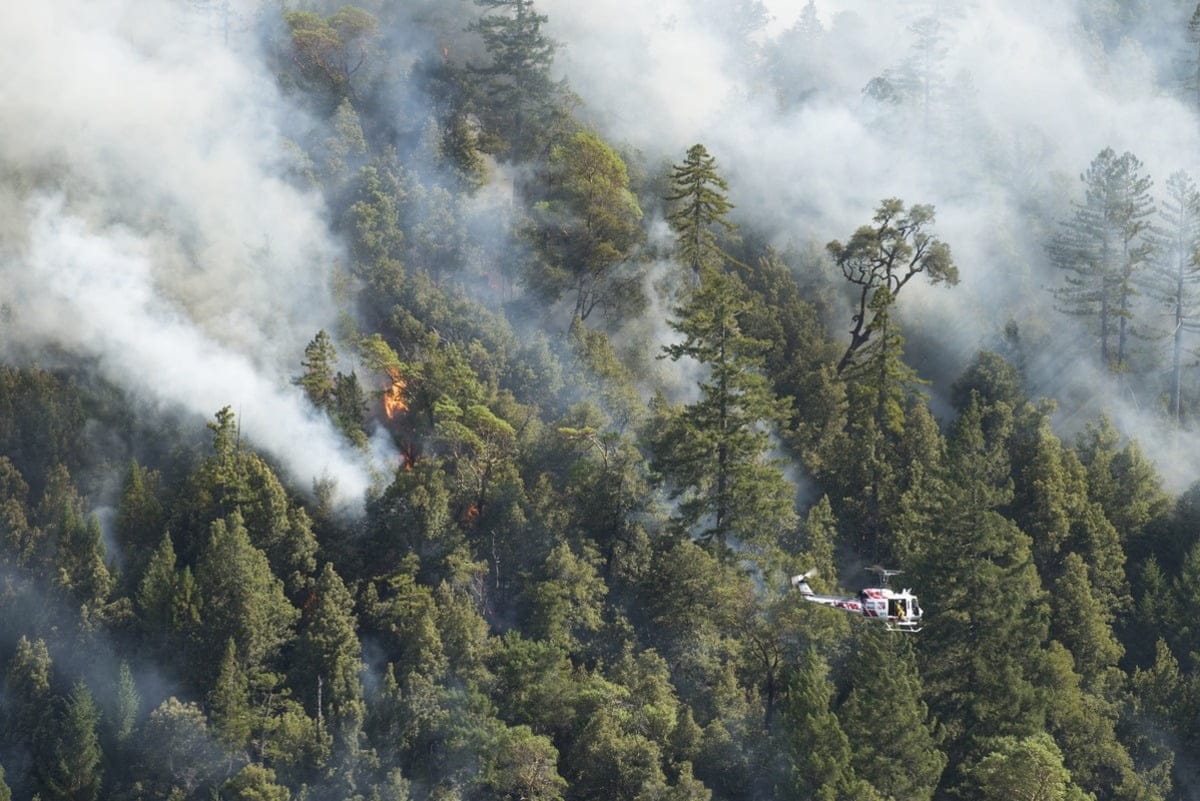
[[430, 400]]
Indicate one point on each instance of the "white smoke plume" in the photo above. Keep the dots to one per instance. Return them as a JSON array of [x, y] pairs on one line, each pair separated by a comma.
[[1029, 96], [147, 227]]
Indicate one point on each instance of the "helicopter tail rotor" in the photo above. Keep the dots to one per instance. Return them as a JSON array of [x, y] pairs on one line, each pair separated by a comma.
[[801, 582]]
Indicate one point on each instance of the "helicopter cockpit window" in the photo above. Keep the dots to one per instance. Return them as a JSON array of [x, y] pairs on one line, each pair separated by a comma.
[[916, 608]]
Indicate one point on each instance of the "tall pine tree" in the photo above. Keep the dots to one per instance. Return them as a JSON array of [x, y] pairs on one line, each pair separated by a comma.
[[714, 453]]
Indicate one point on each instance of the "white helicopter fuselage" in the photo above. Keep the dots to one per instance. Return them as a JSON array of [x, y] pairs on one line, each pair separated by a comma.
[[898, 610]]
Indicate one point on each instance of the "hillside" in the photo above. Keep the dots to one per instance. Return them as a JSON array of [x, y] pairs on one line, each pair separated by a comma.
[[432, 399]]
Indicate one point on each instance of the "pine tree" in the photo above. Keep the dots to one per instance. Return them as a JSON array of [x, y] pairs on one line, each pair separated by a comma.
[[902, 760], [981, 663], [242, 600], [329, 662], [320, 357], [156, 591], [701, 208], [1104, 246], [140, 520], [28, 720], [521, 95], [229, 702], [27, 685], [72, 771], [1081, 624], [713, 453], [817, 746], [349, 408], [1028, 767], [820, 534], [81, 568], [128, 707], [177, 749], [1174, 275]]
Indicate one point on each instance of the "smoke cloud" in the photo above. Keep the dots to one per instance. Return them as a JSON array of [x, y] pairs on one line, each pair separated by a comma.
[[1023, 97], [147, 227]]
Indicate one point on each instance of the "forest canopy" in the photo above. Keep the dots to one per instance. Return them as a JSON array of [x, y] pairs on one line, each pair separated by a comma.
[[431, 401]]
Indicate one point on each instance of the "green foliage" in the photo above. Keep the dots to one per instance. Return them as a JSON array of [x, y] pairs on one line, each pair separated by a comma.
[[1104, 246], [255, 783], [41, 422], [1025, 768], [140, 519], [128, 706], [566, 599], [320, 357], [713, 453], [242, 601], [700, 211], [520, 98], [901, 758], [72, 769], [176, 747], [229, 702], [570, 588], [329, 53], [818, 748], [880, 259], [586, 228], [328, 661]]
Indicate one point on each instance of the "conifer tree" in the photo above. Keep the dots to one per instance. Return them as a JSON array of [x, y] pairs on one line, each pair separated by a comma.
[[817, 746], [254, 783], [1173, 276], [521, 94], [17, 536], [567, 598], [128, 706], [329, 661], [81, 569], [981, 664], [713, 453], [820, 535], [900, 759], [177, 749], [320, 357], [139, 520], [28, 721], [1024, 768], [242, 600], [701, 209], [156, 591], [72, 770], [1104, 246], [349, 408], [1081, 624], [229, 702]]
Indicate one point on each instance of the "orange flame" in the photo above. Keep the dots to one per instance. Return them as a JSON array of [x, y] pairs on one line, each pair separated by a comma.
[[393, 396], [408, 455]]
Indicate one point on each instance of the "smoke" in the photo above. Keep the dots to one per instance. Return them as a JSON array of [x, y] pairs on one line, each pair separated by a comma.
[[1022, 97], [147, 226]]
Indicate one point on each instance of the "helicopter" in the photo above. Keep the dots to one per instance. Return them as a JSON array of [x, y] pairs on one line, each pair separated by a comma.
[[899, 611]]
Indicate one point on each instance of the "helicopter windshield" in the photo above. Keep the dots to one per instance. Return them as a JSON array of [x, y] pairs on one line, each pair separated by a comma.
[[915, 607]]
